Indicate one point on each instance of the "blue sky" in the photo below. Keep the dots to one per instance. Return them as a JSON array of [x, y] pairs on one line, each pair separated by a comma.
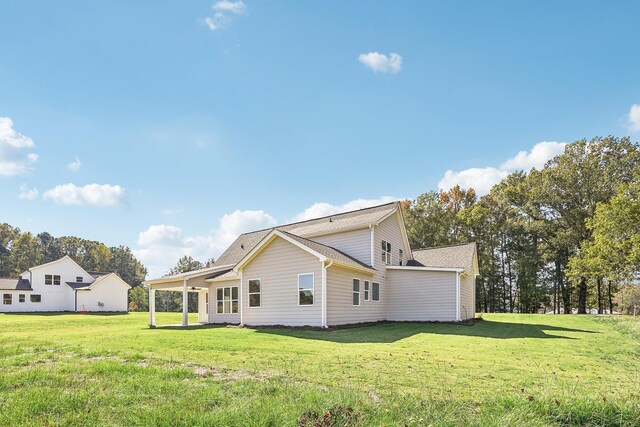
[[173, 126]]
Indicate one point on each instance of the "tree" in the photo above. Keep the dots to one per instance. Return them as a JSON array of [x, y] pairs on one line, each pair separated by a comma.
[[185, 264]]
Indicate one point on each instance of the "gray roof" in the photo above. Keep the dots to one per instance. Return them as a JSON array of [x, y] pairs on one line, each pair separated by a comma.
[[456, 256], [227, 275], [17, 284], [78, 285], [328, 224], [327, 251], [96, 274]]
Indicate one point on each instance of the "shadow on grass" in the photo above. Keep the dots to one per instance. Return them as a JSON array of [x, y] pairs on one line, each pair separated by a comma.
[[68, 313], [392, 332]]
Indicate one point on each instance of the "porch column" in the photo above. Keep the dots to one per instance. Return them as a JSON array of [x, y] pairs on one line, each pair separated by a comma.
[[185, 304], [152, 307]]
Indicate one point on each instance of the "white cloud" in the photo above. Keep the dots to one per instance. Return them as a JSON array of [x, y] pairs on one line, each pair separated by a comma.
[[483, 179], [104, 195], [634, 118], [379, 62], [28, 193], [13, 158], [75, 165], [221, 8], [321, 209], [236, 7], [160, 246], [536, 158]]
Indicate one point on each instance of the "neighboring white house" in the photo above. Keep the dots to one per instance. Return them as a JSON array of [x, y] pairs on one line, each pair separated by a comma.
[[63, 285], [352, 267]]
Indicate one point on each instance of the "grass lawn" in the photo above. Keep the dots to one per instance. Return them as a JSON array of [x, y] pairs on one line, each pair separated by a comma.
[[73, 369]]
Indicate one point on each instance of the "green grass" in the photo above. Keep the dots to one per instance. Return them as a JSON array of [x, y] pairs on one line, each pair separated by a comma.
[[507, 370]]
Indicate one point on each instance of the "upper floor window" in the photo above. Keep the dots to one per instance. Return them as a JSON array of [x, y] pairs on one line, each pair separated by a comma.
[[79, 279], [51, 279], [305, 289], [386, 252], [255, 289], [7, 299], [400, 257]]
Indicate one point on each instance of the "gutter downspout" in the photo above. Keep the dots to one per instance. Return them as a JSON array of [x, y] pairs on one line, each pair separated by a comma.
[[458, 297], [371, 227], [241, 300], [324, 293]]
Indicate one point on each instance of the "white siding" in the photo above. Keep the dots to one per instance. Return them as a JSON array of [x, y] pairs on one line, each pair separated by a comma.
[[422, 296], [356, 243], [389, 230], [340, 308], [112, 292], [467, 291], [278, 266], [214, 317]]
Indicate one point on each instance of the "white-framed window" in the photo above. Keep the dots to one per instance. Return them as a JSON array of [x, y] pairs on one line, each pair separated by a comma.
[[400, 256], [48, 279], [21, 298], [7, 299], [305, 289], [255, 291], [375, 291], [386, 252], [226, 300], [79, 279], [206, 302], [366, 290], [356, 291], [35, 298]]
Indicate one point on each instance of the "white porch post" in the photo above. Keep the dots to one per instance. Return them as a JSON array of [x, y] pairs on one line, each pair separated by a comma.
[[152, 307], [185, 304]]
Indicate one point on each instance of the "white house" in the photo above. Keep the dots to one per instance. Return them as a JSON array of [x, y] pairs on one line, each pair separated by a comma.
[[63, 285], [348, 268]]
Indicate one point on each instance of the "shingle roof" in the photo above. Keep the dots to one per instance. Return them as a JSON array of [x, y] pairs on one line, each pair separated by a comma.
[[328, 224], [96, 274], [78, 285], [456, 256], [18, 284], [226, 275], [327, 251]]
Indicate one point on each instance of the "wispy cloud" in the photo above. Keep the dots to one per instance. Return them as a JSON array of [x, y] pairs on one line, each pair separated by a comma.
[[320, 209], [16, 157], [381, 63], [28, 193], [483, 179], [101, 195], [75, 165], [633, 118], [222, 9]]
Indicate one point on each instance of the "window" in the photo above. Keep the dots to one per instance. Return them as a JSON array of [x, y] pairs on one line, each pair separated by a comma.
[[79, 279], [48, 279], [56, 280], [6, 299], [400, 257], [386, 252], [305, 289], [21, 298], [356, 291], [254, 293], [36, 298], [206, 302], [226, 300], [366, 290], [375, 291]]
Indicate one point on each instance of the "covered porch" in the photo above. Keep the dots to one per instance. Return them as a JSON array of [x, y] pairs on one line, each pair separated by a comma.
[[193, 281]]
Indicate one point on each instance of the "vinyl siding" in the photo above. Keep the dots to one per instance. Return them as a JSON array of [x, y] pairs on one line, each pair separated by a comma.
[[277, 267], [112, 292], [214, 317], [467, 283], [389, 230], [356, 243], [422, 296], [340, 308]]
